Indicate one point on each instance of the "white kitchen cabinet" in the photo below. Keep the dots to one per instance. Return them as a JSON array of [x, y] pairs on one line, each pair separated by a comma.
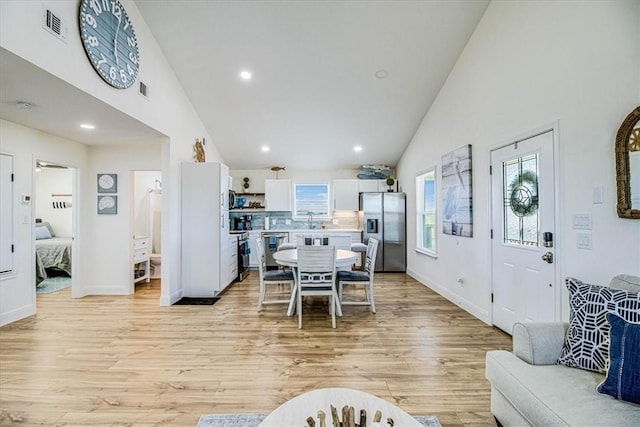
[[346, 194], [205, 229], [368, 185], [253, 255], [141, 257], [231, 259], [277, 195], [375, 186]]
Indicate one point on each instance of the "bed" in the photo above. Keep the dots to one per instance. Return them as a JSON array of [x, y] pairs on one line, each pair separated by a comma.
[[52, 252]]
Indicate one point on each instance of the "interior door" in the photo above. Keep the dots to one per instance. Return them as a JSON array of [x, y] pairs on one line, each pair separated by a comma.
[[523, 227]]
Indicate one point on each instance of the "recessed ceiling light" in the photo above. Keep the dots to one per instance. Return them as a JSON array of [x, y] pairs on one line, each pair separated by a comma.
[[264, 148], [245, 75], [87, 126], [357, 148], [381, 74]]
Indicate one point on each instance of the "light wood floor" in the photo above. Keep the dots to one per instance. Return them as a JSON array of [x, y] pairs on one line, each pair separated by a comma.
[[124, 360]]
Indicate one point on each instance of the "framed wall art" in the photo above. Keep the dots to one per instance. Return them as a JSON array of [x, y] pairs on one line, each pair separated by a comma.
[[107, 205], [107, 183], [457, 206]]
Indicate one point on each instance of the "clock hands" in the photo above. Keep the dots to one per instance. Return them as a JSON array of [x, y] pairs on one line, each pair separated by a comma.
[[115, 41]]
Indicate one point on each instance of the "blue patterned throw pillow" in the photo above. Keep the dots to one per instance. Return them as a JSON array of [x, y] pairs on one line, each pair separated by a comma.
[[587, 342], [623, 376]]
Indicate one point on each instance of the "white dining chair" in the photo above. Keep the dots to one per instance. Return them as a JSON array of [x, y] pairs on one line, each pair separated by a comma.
[[282, 280], [357, 279], [316, 274]]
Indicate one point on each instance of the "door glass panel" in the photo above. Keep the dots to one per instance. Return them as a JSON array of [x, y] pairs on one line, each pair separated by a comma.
[[521, 217]]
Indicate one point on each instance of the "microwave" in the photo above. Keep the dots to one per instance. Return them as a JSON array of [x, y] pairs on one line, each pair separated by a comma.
[[232, 199]]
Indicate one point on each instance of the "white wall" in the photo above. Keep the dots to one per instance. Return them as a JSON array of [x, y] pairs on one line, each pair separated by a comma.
[[112, 234], [143, 181], [527, 65], [17, 291], [51, 181], [168, 111]]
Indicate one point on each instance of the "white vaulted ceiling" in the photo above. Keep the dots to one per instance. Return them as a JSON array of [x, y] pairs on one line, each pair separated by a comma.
[[314, 94]]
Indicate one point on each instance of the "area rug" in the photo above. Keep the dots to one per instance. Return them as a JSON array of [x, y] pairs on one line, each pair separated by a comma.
[[253, 420], [53, 284], [196, 301]]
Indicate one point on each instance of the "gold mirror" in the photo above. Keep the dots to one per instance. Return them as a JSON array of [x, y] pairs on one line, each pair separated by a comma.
[[628, 166]]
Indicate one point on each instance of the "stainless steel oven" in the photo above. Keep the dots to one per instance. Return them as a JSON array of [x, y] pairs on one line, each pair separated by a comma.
[[243, 255]]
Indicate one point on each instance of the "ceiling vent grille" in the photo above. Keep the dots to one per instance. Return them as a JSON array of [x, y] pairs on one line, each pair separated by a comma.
[[144, 90], [54, 24]]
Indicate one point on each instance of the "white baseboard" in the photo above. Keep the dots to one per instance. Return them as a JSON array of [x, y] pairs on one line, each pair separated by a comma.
[[105, 290], [17, 314], [170, 299], [458, 300]]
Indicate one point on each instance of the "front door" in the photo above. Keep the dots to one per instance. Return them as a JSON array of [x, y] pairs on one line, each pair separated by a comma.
[[523, 230]]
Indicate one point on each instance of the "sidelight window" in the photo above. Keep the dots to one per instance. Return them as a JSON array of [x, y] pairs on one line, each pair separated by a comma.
[[426, 212]]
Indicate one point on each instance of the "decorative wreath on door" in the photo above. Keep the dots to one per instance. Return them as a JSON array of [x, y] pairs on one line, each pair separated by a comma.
[[523, 194]]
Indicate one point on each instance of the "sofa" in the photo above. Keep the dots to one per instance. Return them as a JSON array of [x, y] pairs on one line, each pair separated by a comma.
[[528, 388]]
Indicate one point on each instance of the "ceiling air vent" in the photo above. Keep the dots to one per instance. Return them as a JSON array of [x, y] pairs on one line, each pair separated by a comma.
[[54, 24], [144, 90]]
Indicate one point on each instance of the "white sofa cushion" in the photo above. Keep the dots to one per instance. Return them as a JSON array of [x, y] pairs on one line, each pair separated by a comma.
[[554, 395]]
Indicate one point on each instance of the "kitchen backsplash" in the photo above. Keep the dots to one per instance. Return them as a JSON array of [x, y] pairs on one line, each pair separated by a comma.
[[284, 221]]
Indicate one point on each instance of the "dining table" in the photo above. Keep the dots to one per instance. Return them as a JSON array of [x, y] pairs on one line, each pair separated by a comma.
[[289, 258]]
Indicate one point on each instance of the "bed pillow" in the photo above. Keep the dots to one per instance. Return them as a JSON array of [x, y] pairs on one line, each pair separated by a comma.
[[623, 377], [47, 226], [587, 342], [42, 233]]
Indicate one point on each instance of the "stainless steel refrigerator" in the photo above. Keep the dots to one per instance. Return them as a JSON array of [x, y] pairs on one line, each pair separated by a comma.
[[385, 220]]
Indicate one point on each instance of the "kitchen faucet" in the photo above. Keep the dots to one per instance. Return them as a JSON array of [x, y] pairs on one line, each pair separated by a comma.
[[310, 220]]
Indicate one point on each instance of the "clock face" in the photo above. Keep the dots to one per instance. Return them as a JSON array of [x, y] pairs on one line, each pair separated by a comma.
[[110, 42]]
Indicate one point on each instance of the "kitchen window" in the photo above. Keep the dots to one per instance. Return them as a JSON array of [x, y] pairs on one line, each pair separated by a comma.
[[426, 212], [311, 199]]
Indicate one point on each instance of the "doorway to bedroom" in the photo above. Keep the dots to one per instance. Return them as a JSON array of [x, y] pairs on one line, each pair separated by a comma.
[[54, 228], [146, 226]]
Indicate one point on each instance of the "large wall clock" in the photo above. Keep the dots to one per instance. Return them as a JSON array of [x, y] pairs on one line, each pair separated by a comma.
[[110, 42]]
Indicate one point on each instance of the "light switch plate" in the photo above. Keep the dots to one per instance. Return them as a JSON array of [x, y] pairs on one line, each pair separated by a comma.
[[583, 240], [598, 197], [582, 221]]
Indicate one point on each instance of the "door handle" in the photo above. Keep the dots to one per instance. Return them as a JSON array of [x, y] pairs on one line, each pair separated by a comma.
[[548, 257]]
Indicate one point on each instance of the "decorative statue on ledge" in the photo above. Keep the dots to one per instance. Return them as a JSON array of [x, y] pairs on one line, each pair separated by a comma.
[[198, 148]]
